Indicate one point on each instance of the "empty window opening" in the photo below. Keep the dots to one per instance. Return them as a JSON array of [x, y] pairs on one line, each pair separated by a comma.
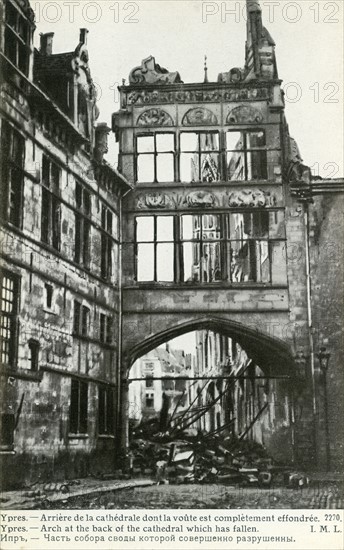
[[7, 427], [106, 411], [48, 295], [246, 155], [17, 38], [12, 174], [33, 355], [199, 156], [81, 320], [155, 158], [150, 400], [51, 204], [106, 243], [155, 248], [106, 329], [78, 407], [82, 225]]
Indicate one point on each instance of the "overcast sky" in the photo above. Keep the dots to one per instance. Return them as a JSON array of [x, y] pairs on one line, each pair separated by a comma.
[[309, 49]]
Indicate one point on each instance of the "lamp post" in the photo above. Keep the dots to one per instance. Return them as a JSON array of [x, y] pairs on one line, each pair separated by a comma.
[[324, 358]]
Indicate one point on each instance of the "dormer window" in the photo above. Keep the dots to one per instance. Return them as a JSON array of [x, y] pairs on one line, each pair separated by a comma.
[[17, 39]]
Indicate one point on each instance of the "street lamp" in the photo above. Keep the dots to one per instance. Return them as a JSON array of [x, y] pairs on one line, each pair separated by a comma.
[[324, 358]]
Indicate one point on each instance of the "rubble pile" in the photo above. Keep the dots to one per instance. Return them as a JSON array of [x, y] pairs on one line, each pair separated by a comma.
[[206, 459]]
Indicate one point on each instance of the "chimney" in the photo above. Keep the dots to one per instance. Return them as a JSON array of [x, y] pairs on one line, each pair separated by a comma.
[[101, 141], [83, 36], [46, 43]]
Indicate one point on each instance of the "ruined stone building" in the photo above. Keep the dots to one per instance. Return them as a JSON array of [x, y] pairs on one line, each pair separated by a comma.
[[59, 275], [163, 371], [211, 223]]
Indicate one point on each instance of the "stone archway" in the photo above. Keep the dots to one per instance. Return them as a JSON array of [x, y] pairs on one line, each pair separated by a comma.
[[273, 354], [270, 351]]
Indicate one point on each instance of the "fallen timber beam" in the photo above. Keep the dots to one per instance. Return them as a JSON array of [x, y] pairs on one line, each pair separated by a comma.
[[245, 432], [228, 387], [239, 377], [178, 403], [192, 402]]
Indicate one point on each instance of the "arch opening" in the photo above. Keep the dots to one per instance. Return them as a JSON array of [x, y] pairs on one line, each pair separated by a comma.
[[211, 378]]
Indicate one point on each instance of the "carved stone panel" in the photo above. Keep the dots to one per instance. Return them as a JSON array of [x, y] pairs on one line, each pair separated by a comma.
[[251, 198], [153, 200], [200, 199], [160, 95], [244, 114], [195, 199], [154, 117], [199, 117]]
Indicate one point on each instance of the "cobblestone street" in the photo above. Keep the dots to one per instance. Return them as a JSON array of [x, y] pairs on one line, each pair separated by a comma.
[[323, 496]]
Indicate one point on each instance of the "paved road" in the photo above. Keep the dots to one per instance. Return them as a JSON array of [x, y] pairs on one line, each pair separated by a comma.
[[325, 495]]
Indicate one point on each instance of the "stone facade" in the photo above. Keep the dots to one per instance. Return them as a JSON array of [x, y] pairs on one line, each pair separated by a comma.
[[242, 167], [60, 235]]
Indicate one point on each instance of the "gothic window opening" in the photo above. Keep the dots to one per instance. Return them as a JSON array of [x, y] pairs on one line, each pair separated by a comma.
[[106, 243], [155, 248], [17, 38], [82, 226], [78, 407], [199, 156], [51, 204], [106, 411], [8, 320], [155, 158], [12, 174], [246, 155]]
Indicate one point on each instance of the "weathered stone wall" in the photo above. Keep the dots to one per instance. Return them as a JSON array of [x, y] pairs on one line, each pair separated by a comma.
[[43, 447], [327, 261]]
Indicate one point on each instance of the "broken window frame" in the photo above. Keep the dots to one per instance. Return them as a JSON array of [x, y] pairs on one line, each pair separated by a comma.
[[81, 320], [78, 410], [260, 151], [17, 38], [8, 320], [156, 246], [106, 410], [202, 244], [251, 249], [51, 203], [200, 153], [107, 220], [155, 157], [12, 174], [82, 241]]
